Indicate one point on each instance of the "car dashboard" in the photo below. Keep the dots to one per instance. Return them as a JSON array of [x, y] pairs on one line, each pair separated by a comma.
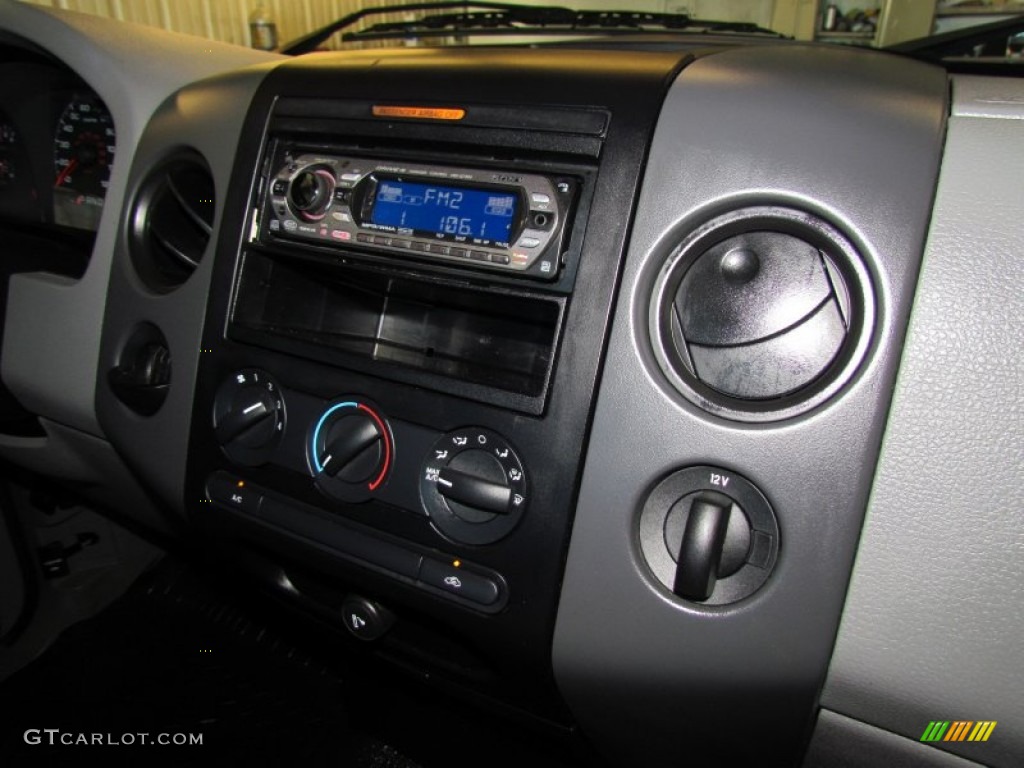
[[666, 399]]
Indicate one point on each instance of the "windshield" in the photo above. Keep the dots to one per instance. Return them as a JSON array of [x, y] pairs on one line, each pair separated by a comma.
[[279, 24]]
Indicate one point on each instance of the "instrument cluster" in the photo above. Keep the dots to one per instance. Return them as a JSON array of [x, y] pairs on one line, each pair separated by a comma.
[[57, 148]]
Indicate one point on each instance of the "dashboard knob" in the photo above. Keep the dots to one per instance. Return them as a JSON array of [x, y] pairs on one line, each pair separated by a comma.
[[709, 535], [350, 450], [248, 416], [473, 486], [353, 448], [310, 192], [714, 541]]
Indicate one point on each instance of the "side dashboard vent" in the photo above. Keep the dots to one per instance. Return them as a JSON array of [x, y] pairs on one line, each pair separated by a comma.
[[761, 314], [172, 221]]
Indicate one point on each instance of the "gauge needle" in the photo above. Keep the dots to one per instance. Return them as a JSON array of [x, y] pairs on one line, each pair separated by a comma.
[[66, 172]]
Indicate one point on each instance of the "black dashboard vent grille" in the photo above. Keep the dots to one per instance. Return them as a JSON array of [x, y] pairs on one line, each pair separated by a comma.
[[761, 314], [173, 221]]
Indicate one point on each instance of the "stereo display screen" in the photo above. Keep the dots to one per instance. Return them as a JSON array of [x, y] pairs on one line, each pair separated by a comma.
[[462, 214]]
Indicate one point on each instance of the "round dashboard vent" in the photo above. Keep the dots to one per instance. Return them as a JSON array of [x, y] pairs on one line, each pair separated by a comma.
[[172, 220], [761, 314]]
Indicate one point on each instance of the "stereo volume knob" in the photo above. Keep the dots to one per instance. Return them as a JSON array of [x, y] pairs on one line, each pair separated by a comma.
[[248, 416], [350, 450], [310, 192]]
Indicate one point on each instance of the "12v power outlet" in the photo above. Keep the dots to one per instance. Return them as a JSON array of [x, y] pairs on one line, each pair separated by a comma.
[[709, 535]]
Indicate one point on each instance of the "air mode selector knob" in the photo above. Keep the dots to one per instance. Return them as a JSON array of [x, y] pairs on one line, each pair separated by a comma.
[[473, 486]]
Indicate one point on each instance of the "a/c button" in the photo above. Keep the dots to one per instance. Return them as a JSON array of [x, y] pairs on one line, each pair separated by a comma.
[[232, 492]]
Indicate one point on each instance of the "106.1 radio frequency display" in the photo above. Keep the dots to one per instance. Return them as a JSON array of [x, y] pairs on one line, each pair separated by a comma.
[[487, 216]]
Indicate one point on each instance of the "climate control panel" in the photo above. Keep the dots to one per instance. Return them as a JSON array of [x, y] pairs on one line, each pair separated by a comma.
[[469, 483]]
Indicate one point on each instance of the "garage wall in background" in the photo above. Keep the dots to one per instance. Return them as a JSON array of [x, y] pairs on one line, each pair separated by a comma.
[[228, 20], [225, 20]]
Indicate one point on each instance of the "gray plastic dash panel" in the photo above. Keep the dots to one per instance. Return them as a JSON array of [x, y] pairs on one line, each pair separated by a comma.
[[933, 624], [206, 118], [853, 138], [841, 742], [52, 327]]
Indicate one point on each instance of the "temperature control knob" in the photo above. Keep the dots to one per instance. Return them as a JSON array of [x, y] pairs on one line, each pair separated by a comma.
[[248, 416], [473, 486], [310, 192], [350, 450]]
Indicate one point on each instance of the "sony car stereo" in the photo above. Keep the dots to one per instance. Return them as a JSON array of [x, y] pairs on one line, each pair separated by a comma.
[[493, 218]]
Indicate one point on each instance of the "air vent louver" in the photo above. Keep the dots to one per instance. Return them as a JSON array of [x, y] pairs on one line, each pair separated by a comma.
[[172, 221], [761, 314]]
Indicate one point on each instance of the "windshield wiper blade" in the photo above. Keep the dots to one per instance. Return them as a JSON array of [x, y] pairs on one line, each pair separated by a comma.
[[508, 19], [317, 37], [550, 21]]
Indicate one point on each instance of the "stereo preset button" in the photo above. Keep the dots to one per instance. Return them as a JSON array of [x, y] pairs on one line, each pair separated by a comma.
[[480, 255], [456, 581], [399, 243], [501, 258], [364, 238], [421, 247], [459, 252]]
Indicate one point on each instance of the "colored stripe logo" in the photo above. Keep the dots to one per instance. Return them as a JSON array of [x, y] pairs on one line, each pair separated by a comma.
[[958, 730]]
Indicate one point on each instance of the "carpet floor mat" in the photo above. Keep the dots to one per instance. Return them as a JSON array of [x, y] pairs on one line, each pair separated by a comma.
[[173, 661]]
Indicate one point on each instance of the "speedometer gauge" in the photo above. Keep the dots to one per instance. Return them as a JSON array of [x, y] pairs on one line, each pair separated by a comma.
[[83, 153]]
